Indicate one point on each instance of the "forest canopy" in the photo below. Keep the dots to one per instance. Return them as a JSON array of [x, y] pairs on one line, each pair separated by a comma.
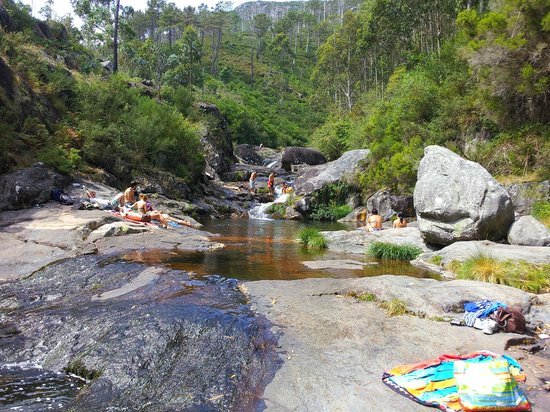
[[389, 75]]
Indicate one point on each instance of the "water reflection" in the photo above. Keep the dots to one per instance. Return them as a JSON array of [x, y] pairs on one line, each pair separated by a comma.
[[266, 249]]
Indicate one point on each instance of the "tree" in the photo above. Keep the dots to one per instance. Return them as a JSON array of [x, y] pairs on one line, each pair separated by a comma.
[[101, 22], [47, 10]]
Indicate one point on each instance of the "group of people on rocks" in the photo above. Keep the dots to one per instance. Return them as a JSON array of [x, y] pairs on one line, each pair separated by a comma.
[[374, 221], [285, 188], [137, 210]]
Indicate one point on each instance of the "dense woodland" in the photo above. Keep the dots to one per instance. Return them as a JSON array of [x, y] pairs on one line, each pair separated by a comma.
[[389, 75]]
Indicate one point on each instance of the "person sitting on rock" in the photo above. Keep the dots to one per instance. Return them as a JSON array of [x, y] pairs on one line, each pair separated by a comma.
[[286, 188], [374, 222], [252, 182], [145, 212], [129, 194], [400, 221]]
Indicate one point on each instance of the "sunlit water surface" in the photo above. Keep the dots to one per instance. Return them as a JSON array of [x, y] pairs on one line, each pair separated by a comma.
[[267, 249]]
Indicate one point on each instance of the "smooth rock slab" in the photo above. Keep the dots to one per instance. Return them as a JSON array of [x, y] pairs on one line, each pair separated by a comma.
[[335, 348], [357, 241], [462, 251]]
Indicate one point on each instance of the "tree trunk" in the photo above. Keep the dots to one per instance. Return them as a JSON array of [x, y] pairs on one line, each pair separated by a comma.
[[115, 38]]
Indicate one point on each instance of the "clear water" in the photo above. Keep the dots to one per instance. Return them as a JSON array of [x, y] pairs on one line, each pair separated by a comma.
[[34, 389], [266, 249]]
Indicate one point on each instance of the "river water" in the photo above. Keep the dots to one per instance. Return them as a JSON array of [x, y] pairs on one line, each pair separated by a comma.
[[261, 249]]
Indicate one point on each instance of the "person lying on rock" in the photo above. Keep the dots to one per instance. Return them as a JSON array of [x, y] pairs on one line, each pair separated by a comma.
[[400, 221], [97, 202], [142, 211], [374, 222]]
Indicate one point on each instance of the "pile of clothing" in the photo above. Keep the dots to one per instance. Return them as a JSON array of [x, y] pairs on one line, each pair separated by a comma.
[[490, 316]]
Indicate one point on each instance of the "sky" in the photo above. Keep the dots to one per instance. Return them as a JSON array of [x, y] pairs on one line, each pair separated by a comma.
[[63, 7]]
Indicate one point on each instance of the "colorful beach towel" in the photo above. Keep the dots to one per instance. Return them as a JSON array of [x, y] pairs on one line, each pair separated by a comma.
[[432, 383]]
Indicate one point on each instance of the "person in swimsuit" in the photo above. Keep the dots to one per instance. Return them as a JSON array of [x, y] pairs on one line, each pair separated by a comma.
[[374, 222], [129, 194], [400, 221], [145, 210], [252, 182], [271, 183]]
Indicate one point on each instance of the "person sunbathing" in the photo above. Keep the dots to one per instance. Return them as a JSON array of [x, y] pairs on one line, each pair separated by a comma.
[[145, 213]]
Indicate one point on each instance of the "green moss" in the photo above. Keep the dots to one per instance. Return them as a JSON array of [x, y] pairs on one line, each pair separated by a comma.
[[390, 251], [362, 296]]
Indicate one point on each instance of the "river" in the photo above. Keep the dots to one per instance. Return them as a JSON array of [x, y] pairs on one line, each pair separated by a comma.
[[261, 249]]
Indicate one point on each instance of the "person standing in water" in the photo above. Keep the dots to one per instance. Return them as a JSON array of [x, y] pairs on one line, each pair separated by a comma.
[[271, 183], [252, 182]]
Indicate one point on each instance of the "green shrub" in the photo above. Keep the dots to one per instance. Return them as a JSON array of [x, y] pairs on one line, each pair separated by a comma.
[[541, 211], [312, 239], [519, 274], [277, 208], [390, 251], [436, 260], [330, 212]]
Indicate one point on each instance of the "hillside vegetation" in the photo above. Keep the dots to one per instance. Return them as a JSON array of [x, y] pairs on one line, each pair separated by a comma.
[[391, 76]]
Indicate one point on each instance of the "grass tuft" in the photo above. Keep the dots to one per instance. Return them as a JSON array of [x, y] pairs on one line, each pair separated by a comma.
[[312, 239], [363, 296], [390, 251], [518, 274], [436, 260], [395, 307]]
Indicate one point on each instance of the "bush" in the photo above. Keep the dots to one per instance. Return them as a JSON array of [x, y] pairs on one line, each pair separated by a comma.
[[519, 274], [123, 130], [390, 251], [330, 212], [312, 239], [541, 211]]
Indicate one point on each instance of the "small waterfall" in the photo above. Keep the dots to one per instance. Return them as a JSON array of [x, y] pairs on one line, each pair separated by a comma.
[[260, 211]]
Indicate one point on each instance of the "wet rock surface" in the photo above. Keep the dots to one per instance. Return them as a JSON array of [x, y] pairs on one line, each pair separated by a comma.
[[143, 337]]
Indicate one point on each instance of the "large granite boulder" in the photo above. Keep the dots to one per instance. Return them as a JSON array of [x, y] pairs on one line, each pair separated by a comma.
[[163, 183], [30, 186], [216, 141], [528, 231], [315, 178], [301, 155], [248, 154], [387, 203], [524, 195], [456, 199]]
